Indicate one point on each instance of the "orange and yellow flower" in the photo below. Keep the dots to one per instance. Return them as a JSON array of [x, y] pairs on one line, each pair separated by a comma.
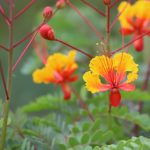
[[117, 73], [59, 69], [135, 19]]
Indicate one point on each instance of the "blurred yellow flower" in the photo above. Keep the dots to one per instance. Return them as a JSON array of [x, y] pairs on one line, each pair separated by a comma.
[[59, 69], [135, 19]]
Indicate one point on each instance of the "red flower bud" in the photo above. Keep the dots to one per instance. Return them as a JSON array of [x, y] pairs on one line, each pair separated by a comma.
[[115, 97], [139, 45], [107, 2], [60, 4], [47, 32], [47, 12]]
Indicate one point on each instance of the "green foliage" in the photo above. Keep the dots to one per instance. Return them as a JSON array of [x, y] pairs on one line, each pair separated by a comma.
[[138, 143]]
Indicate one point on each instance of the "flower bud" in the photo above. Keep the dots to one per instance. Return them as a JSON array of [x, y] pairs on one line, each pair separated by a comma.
[[107, 2], [47, 12], [47, 32], [139, 45], [60, 4]]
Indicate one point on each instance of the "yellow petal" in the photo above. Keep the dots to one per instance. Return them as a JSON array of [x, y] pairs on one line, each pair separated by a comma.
[[92, 82], [124, 62], [125, 9], [101, 65], [142, 8], [44, 75]]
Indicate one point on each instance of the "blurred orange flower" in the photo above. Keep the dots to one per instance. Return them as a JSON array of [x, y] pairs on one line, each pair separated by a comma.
[[59, 69], [135, 19], [117, 73]]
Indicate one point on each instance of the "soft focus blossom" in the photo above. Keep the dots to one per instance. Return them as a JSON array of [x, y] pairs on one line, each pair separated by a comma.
[[59, 69], [135, 20], [112, 74]]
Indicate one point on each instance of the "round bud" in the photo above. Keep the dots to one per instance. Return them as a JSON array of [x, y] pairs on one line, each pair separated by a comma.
[[47, 32], [139, 45], [60, 4], [47, 12], [107, 2]]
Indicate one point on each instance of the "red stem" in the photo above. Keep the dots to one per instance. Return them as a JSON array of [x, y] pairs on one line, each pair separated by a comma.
[[82, 103], [28, 35], [8, 22], [4, 82], [86, 54], [24, 9], [86, 20], [91, 6], [24, 51], [116, 18], [130, 42], [1, 46]]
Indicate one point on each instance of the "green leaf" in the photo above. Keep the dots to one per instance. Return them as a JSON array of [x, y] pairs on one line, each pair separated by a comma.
[[135, 143], [85, 138], [73, 141], [96, 136]]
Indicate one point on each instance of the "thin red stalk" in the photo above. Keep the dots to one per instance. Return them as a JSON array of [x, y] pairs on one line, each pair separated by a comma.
[[86, 20], [82, 103], [114, 3], [24, 9], [1, 46], [28, 35], [8, 22], [91, 6], [86, 54], [4, 81], [116, 18], [130, 42], [24, 51], [108, 28]]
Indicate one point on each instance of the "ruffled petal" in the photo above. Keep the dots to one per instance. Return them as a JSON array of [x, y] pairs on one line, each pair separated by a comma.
[[125, 10], [43, 76], [93, 83], [124, 63], [103, 66]]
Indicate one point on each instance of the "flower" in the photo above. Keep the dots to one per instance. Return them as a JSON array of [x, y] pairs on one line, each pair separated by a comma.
[[59, 69], [135, 19], [117, 74]]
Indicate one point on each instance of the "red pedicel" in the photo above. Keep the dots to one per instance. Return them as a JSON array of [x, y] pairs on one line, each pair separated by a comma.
[[115, 97], [47, 32]]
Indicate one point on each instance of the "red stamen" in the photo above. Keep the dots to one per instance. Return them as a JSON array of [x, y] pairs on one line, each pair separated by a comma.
[[115, 97]]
